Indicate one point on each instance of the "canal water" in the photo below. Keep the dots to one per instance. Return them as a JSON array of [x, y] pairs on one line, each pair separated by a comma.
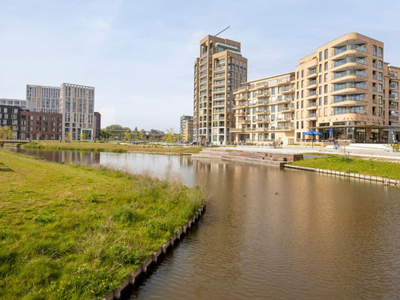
[[271, 233]]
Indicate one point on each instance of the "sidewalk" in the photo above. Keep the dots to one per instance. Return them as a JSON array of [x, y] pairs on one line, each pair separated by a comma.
[[363, 150]]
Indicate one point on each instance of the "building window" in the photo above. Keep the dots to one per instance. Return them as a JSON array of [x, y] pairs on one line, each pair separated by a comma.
[[325, 89], [320, 55], [326, 66], [380, 65], [374, 50], [380, 52], [326, 54], [326, 100]]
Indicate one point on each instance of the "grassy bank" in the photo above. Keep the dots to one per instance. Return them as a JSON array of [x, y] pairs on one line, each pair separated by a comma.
[[74, 232], [353, 165], [110, 147]]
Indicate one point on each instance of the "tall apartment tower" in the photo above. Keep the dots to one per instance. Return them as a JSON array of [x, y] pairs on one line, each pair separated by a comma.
[[44, 98], [217, 72], [77, 107], [345, 85]]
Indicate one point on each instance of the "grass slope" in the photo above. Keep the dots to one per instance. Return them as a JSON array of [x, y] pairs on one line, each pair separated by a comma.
[[353, 165], [110, 147], [74, 232]]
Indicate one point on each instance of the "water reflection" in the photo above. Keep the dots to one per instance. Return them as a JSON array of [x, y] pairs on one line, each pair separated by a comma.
[[277, 234]]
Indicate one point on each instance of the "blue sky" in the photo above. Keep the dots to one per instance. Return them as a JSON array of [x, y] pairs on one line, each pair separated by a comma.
[[139, 55]]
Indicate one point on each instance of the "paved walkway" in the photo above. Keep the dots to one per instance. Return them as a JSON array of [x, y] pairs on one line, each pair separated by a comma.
[[367, 150]]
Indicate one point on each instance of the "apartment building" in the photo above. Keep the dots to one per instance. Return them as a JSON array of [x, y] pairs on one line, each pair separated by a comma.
[[264, 110], [219, 69], [44, 98], [344, 87], [97, 126], [77, 107], [186, 128], [40, 125], [9, 117], [188, 132], [16, 102]]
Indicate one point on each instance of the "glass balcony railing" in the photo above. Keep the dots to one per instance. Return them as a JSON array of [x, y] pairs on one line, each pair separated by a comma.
[[349, 60], [338, 99], [350, 72], [337, 51], [348, 85]]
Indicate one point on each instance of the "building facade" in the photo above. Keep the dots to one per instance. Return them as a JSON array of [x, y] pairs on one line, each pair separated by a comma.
[[40, 125], [264, 110], [219, 69], [77, 108], [9, 117], [344, 90], [23, 104], [44, 98], [186, 128], [97, 126]]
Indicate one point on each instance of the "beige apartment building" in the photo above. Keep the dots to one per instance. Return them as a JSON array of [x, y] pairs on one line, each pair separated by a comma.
[[264, 111], [345, 87], [44, 98], [219, 69], [77, 107]]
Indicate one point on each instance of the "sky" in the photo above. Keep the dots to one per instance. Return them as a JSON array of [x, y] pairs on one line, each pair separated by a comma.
[[139, 55]]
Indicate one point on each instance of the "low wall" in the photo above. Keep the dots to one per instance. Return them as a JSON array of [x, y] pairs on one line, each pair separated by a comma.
[[385, 181], [263, 157], [126, 288]]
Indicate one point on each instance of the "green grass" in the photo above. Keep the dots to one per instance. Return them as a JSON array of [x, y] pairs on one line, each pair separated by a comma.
[[110, 147], [353, 165], [75, 232]]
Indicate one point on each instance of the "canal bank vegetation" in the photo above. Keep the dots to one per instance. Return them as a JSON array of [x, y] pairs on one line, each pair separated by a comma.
[[75, 232], [112, 147], [353, 165]]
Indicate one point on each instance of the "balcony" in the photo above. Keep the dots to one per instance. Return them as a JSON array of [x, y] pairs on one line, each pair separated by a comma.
[[344, 88], [393, 107], [312, 105], [219, 75], [312, 73], [286, 90], [287, 119], [312, 84], [285, 128], [394, 97], [348, 62], [219, 68], [312, 95], [349, 49], [393, 86], [287, 110], [394, 117], [349, 75]]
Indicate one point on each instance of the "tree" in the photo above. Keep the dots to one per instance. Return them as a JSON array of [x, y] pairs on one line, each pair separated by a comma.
[[104, 134], [142, 135], [2, 132], [68, 137], [128, 135], [178, 137], [136, 134], [82, 136], [169, 137]]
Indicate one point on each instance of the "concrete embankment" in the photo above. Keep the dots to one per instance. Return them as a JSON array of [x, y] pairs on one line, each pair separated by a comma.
[[260, 157], [385, 181], [146, 268]]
